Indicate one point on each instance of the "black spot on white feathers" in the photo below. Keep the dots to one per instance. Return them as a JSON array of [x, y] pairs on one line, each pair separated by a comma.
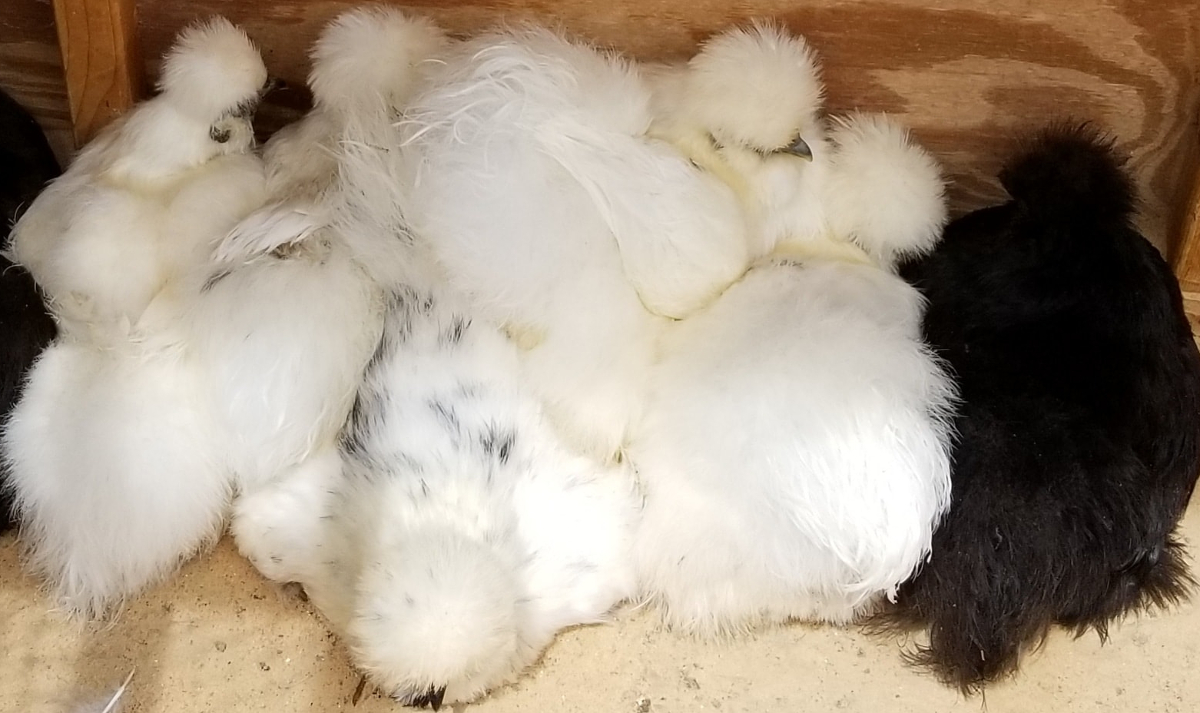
[[452, 335], [213, 279], [352, 437], [445, 414], [498, 443], [383, 352]]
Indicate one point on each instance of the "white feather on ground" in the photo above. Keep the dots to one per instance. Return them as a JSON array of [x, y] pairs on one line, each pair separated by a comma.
[[111, 704]]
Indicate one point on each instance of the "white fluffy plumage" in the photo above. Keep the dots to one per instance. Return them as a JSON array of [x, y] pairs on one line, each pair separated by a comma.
[[366, 60], [464, 534], [711, 109], [111, 460], [291, 312], [883, 192], [140, 203], [454, 533], [794, 453], [534, 185], [114, 459]]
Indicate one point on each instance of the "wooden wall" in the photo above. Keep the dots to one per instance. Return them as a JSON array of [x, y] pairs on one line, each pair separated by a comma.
[[966, 74], [31, 68]]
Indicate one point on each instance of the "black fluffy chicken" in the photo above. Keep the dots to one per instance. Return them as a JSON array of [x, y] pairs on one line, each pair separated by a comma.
[[1079, 429], [26, 165]]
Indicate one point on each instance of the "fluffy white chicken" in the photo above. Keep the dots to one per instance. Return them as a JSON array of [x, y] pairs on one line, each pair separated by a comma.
[[289, 316], [465, 534], [142, 201], [794, 453], [534, 185], [366, 60], [114, 459], [708, 108], [454, 533]]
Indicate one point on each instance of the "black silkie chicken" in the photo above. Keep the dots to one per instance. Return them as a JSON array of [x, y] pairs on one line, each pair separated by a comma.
[[1077, 446], [26, 165]]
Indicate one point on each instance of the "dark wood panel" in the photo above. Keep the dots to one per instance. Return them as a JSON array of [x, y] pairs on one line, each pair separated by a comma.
[[31, 68]]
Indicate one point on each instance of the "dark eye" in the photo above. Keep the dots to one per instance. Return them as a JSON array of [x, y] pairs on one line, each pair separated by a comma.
[[219, 135]]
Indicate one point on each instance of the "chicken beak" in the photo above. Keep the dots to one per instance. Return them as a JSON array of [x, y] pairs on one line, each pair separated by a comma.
[[800, 148], [272, 85]]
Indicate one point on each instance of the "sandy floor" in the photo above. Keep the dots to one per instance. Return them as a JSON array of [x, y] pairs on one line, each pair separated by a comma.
[[218, 638]]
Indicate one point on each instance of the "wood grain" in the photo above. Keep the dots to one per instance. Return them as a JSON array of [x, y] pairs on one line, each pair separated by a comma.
[[31, 68], [1187, 260], [967, 75], [98, 41]]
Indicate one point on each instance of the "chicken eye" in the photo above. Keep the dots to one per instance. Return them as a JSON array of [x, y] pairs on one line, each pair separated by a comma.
[[219, 135]]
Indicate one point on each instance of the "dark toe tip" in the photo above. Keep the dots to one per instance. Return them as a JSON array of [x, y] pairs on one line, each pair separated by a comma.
[[432, 698]]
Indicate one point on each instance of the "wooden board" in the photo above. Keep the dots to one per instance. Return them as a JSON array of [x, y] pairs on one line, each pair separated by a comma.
[[966, 74], [98, 41], [1187, 263], [31, 68]]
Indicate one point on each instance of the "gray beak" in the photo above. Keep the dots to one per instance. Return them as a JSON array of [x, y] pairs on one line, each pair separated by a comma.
[[800, 148]]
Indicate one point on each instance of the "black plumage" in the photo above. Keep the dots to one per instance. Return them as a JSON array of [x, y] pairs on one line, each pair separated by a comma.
[[1078, 439], [26, 165]]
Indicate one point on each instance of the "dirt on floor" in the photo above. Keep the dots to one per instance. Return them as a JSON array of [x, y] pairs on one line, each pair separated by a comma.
[[217, 637]]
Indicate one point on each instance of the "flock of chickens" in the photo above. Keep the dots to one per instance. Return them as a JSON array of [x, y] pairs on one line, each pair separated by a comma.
[[509, 330]]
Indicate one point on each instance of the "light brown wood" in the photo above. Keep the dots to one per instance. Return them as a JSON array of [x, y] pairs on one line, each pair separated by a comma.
[[967, 75], [98, 40], [1187, 257], [31, 68]]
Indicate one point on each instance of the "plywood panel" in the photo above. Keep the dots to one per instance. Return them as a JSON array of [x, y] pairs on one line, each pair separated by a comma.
[[31, 69], [98, 42], [966, 74]]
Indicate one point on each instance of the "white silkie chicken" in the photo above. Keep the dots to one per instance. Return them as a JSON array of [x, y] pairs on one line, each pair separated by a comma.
[[794, 453], [710, 109], [532, 181], [288, 317], [114, 459], [366, 58], [465, 534], [455, 533], [140, 203]]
